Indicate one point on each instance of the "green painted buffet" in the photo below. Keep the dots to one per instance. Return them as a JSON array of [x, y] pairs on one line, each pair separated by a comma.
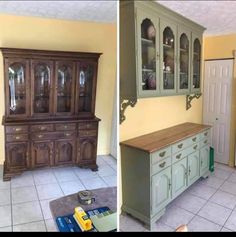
[[158, 167], [160, 51]]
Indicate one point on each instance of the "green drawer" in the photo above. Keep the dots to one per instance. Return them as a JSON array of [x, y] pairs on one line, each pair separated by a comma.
[[159, 155], [204, 142], [161, 165], [180, 155], [205, 134], [194, 139], [185, 143], [180, 146]]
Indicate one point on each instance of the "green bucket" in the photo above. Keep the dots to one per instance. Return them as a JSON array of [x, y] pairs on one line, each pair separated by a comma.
[[211, 163]]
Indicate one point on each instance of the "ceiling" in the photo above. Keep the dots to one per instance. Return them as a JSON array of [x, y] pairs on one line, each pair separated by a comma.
[[96, 11], [219, 17]]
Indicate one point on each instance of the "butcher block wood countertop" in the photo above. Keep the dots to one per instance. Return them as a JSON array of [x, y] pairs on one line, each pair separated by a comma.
[[155, 141]]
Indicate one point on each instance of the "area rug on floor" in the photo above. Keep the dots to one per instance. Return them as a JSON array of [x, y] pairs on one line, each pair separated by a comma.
[[103, 197]]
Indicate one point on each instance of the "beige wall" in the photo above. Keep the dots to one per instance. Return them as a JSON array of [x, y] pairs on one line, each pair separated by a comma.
[[51, 34], [153, 114], [222, 47]]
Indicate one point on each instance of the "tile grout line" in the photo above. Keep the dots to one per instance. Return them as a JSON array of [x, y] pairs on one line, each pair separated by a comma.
[[80, 179], [208, 202], [39, 204], [11, 208], [196, 214], [58, 183]]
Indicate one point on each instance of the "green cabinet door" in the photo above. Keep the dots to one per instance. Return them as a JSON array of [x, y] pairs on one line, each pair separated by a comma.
[[196, 63], [147, 40], [183, 63], [179, 177], [204, 159], [161, 190], [193, 167], [168, 57]]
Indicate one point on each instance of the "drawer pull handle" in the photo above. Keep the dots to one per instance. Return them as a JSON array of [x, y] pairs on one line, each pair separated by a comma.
[[161, 154], [162, 164], [180, 145], [178, 156], [67, 134], [195, 147], [42, 128], [169, 184], [65, 126], [186, 173], [17, 137], [40, 136], [18, 129], [205, 142], [205, 134], [194, 139]]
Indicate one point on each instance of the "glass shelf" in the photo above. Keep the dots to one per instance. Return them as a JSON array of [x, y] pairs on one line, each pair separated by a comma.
[[183, 50], [167, 46], [147, 41], [147, 70]]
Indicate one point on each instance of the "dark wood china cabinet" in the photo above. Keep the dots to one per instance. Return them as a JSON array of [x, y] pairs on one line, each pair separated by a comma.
[[49, 109]]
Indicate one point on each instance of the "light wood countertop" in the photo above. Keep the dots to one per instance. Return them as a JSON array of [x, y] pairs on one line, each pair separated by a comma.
[[155, 141]]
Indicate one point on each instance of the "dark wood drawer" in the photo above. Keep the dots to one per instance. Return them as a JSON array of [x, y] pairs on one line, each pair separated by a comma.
[[64, 127], [16, 129], [43, 127], [17, 138], [92, 125], [53, 135], [87, 133]]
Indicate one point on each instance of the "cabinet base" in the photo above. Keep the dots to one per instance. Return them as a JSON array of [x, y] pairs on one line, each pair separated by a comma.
[[148, 222], [205, 176], [93, 167], [7, 175]]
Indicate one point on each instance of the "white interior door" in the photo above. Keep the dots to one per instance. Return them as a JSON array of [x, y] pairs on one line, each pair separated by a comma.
[[217, 105]]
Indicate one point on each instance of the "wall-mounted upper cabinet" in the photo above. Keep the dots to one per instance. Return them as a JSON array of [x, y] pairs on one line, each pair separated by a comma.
[[160, 51]]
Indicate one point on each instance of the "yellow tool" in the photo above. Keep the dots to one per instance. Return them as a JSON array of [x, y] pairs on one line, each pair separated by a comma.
[[82, 219]]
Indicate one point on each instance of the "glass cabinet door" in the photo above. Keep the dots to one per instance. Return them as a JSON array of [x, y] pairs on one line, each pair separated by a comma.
[[196, 65], [184, 63], [85, 100], [148, 59], [17, 88], [64, 87], [169, 56], [41, 87]]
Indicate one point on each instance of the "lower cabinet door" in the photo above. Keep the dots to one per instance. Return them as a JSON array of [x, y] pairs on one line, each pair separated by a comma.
[[161, 190], [65, 152], [17, 156], [204, 159], [179, 177], [42, 153], [87, 150], [193, 167]]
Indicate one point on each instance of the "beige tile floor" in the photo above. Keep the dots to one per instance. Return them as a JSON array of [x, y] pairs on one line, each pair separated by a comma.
[[208, 205], [24, 201]]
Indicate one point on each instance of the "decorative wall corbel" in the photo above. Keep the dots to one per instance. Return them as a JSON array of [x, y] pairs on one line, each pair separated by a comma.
[[123, 106], [189, 99]]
